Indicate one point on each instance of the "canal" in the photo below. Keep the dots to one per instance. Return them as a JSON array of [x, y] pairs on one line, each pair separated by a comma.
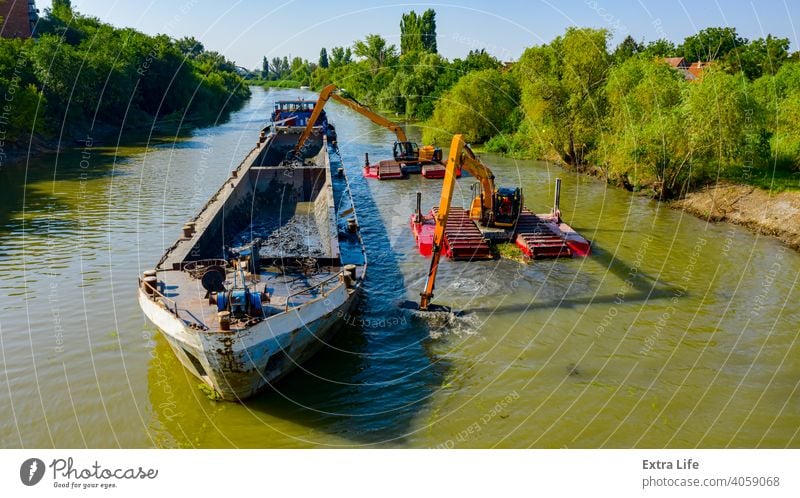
[[674, 333]]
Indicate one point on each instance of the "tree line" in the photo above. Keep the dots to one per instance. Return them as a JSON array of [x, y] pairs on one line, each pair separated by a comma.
[[621, 112], [80, 72], [631, 117]]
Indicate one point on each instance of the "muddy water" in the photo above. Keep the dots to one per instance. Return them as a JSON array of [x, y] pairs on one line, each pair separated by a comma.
[[674, 333]]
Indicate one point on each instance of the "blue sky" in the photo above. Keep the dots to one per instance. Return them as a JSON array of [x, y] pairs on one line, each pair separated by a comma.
[[245, 30]]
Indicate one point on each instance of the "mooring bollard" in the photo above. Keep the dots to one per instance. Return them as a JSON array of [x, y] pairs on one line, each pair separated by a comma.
[[150, 282], [224, 320]]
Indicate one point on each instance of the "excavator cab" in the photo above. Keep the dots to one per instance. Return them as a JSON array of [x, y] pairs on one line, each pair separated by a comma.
[[406, 152], [507, 206]]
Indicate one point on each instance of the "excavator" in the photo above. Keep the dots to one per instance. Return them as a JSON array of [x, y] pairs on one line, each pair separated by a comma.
[[404, 151], [491, 207]]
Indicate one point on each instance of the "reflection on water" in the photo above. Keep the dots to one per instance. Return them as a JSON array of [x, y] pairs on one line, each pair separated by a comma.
[[674, 333]]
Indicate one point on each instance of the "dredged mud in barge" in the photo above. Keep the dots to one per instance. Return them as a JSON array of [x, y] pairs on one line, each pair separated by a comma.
[[264, 272]]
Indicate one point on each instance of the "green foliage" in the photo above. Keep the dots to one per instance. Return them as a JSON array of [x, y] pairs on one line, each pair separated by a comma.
[[190, 47], [780, 97], [711, 44], [476, 60], [661, 48], [323, 58], [479, 106], [720, 113], [762, 56], [413, 90], [562, 91], [627, 49], [340, 56], [645, 136], [375, 51], [418, 33], [626, 114], [81, 71]]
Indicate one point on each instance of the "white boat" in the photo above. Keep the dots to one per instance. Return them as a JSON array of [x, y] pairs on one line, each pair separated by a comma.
[[264, 274]]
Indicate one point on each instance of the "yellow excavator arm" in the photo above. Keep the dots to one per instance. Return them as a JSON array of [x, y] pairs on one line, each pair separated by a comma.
[[448, 185], [460, 156], [329, 92]]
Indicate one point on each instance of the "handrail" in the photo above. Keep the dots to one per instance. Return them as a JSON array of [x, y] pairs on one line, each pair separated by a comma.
[[318, 284], [174, 309]]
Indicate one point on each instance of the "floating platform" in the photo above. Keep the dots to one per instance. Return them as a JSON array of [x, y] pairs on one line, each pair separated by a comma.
[[384, 170], [463, 241], [538, 236], [393, 170], [433, 170]]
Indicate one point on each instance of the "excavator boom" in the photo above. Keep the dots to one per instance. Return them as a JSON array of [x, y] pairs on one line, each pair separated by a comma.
[[460, 156], [329, 92], [448, 185]]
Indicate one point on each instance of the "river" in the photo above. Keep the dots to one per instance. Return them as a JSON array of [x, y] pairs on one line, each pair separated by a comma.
[[674, 333]]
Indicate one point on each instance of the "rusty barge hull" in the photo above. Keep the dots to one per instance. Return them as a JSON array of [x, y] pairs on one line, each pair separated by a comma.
[[303, 275]]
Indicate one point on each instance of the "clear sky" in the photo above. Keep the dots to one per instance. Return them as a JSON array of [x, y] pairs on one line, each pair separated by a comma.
[[246, 30]]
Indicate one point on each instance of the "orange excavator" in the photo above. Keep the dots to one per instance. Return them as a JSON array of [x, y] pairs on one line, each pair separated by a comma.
[[491, 207], [404, 151]]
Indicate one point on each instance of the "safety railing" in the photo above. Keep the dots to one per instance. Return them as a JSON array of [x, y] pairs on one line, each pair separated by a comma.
[[322, 284]]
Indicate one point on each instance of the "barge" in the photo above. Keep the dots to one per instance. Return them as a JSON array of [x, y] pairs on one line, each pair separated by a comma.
[[264, 273]]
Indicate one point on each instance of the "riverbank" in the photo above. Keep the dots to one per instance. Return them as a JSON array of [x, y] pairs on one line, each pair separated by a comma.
[[774, 214]]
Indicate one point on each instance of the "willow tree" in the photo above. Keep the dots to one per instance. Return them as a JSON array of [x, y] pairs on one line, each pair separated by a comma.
[[646, 140], [480, 105], [562, 91]]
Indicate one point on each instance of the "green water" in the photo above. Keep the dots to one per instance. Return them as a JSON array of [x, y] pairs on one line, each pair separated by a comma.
[[674, 333]]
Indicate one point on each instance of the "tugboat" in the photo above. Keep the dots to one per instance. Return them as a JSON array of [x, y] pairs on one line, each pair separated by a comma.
[[296, 113], [262, 275]]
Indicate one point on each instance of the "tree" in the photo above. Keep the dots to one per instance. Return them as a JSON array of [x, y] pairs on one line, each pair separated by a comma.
[[264, 68], [627, 49], [90, 71], [340, 56], [276, 71], [375, 51], [190, 47], [479, 106], [762, 56], [428, 32], [410, 33], [646, 136], [711, 44], [418, 33], [323, 58], [661, 48], [476, 60], [562, 91], [719, 113], [62, 9], [413, 88]]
